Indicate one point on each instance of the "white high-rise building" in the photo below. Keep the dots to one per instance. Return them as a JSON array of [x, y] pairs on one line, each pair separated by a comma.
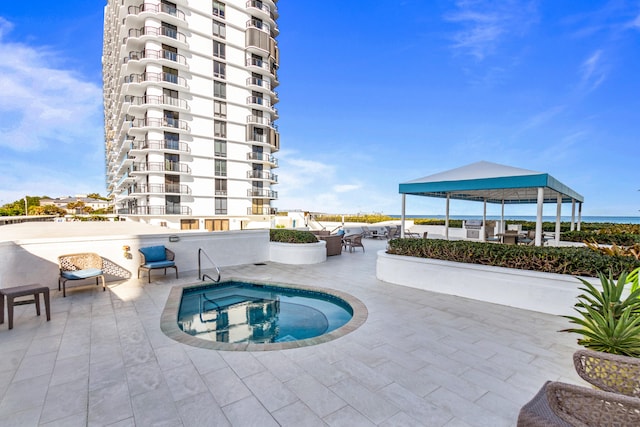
[[189, 106]]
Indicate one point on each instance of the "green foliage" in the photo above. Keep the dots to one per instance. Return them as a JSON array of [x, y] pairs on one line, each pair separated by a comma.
[[624, 239], [453, 223], [292, 236], [578, 261], [607, 321], [367, 218]]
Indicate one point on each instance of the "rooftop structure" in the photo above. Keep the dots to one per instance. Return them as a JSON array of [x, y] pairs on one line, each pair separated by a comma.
[[189, 105]]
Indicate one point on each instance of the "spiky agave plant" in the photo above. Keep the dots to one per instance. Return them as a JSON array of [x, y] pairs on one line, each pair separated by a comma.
[[608, 322]]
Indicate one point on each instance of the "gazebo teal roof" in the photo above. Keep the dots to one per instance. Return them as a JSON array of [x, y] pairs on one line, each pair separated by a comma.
[[492, 182]]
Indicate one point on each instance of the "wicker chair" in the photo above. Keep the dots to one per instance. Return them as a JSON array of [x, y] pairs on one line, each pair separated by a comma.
[[609, 372], [567, 405], [78, 267], [354, 241]]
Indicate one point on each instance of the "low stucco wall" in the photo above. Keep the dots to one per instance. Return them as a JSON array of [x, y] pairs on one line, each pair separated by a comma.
[[530, 290], [298, 253], [36, 260]]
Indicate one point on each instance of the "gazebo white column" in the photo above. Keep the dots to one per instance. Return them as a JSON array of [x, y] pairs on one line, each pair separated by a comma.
[[404, 201], [446, 219], [502, 225], [579, 215], [539, 216], [558, 213], [573, 214], [483, 230]]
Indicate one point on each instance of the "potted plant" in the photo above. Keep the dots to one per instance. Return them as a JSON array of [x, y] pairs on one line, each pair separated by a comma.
[[609, 320]]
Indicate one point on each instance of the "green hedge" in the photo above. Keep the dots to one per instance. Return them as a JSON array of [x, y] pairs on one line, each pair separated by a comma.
[[292, 236], [577, 261], [602, 238]]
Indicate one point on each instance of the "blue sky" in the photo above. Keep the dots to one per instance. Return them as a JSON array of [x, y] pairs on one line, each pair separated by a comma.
[[372, 94]]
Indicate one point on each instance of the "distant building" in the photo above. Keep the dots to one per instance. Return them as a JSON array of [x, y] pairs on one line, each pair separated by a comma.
[[189, 106], [63, 203]]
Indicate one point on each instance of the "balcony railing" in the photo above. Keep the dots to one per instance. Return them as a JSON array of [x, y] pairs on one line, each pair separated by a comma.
[[157, 100], [258, 100], [256, 81], [161, 189], [256, 4], [266, 121], [156, 77], [263, 193], [156, 54], [157, 31], [161, 167], [264, 157], [160, 144], [262, 26], [156, 210], [254, 210], [262, 175], [257, 62], [154, 8], [164, 122]]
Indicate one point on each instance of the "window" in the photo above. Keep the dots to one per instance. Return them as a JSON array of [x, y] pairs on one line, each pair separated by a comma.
[[219, 50], [219, 89], [171, 119], [219, 109], [220, 148], [171, 141], [220, 167], [219, 69], [218, 9], [170, 75], [219, 129], [169, 30], [221, 206], [219, 29], [169, 52], [221, 187]]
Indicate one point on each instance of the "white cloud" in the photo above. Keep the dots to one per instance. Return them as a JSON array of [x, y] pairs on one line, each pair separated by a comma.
[[43, 106], [593, 71], [345, 188], [485, 24]]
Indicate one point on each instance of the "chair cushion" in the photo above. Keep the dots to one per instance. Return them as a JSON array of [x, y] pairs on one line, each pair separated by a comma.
[[159, 264], [81, 274], [154, 253]]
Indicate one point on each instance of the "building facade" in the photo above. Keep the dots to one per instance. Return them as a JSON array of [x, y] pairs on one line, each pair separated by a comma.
[[189, 105]]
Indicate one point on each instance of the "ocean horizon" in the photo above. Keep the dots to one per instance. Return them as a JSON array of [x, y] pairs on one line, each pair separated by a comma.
[[604, 219]]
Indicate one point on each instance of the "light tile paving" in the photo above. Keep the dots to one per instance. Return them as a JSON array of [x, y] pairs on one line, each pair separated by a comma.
[[419, 359]]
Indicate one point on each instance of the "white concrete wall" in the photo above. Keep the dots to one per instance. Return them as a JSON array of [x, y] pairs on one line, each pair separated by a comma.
[[529, 290], [36, 260], [298, 253]]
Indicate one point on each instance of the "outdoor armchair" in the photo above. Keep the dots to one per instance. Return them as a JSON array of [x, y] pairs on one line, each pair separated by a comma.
[[156, 257], [78, 267], [609, 372]]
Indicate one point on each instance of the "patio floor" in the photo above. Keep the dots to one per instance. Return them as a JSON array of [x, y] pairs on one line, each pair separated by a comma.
[[420, 359]]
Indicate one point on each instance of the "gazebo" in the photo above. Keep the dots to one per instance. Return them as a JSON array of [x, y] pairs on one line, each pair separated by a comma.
[[494, 183]]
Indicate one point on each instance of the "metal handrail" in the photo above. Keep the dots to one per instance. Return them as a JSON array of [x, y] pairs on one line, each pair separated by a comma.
[[200, 252]]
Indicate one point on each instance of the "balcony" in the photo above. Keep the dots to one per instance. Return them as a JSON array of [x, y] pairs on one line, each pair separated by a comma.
[[264, 175], [156, 210], [161, 189], [135, 33], [259, 8], [156, 77], [156, 55], [161, 123], [157, 100], [148, 8], [255, 82], [256, 210], [262, 193], [161, 145], [261, 103], [258, 64], [263, 158], [259, 25], [264, 121], [167, 166]]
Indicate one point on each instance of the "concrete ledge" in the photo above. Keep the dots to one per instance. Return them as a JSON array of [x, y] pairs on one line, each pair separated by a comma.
[[530, 290], [298, 253]]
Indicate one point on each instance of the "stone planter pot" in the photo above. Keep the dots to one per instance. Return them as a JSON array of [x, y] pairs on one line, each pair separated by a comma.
[[530, 290], [298, 253]]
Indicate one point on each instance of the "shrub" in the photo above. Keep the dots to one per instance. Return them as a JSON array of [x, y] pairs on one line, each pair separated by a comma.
[[292, 236], [578, 261], [453, 223], [623, 239]]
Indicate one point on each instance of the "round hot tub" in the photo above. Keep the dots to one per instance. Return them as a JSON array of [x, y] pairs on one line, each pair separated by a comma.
[[241, 315]]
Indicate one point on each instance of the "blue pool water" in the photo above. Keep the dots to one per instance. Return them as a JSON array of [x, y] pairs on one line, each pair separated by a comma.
[[239, 312]]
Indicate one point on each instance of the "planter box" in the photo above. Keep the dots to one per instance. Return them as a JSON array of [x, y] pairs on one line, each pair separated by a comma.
[[530, 290], [298, 253]]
